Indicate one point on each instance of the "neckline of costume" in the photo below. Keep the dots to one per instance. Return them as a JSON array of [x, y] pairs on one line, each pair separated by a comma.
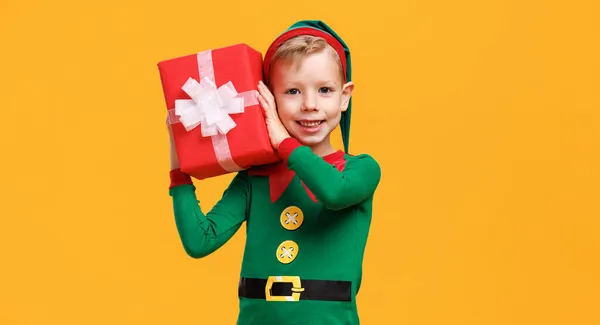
[[333, 157]]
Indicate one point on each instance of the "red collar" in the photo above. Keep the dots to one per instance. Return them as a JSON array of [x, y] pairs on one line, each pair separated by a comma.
[[280, 176]]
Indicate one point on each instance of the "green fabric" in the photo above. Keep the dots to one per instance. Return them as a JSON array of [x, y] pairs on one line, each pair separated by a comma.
[[202, 234], [346, 116], [331, 239]]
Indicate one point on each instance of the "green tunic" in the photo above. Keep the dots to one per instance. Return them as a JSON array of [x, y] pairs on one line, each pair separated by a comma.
[[320, 243]]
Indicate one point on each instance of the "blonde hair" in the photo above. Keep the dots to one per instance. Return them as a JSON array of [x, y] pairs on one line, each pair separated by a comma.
[[299, 47]]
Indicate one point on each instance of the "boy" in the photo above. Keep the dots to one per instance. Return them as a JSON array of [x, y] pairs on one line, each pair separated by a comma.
[[308, 217]]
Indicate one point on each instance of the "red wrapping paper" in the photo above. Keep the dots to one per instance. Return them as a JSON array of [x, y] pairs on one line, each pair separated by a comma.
[[248, 142]]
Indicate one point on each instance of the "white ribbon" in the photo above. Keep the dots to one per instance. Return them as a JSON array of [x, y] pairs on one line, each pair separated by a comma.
[[210, 107]]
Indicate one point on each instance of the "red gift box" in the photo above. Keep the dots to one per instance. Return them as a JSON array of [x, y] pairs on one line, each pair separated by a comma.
[[217, 123]]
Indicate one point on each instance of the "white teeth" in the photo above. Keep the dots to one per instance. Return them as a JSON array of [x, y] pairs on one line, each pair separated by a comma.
[[310, 124]]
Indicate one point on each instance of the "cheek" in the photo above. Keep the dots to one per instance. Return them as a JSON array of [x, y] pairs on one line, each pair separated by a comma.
[[285, 108], [285, 116], [334, 108]]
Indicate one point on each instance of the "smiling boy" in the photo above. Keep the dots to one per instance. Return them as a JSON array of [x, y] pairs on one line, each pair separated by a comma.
[[308, 217], [307, 77]]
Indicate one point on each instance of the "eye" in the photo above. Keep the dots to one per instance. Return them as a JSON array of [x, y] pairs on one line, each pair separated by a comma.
[[325, 90], [292, 91]]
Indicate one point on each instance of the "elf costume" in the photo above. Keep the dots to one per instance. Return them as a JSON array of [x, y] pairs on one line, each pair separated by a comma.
[[307, 221]]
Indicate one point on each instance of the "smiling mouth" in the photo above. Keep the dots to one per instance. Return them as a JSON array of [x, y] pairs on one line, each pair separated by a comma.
[[309, 124]]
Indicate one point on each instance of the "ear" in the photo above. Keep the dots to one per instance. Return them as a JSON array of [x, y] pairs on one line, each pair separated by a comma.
[[347, 91]]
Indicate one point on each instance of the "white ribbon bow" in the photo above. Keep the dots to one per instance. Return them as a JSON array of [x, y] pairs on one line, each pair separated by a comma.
[[209, 107]]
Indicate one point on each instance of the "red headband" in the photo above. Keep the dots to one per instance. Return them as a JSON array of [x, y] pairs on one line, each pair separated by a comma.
[[337, 46]]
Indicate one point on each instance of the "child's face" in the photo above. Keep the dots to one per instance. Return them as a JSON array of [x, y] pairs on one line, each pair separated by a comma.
[[310, 97]]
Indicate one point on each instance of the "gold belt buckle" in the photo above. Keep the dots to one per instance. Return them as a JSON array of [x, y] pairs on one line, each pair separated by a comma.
[[296, 288]]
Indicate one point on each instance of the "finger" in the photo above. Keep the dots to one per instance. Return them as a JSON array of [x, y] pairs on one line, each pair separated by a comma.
[[268, 110], [265, 91], [272, 104], [261, 87], [261, 92], [269, 96], [263, 103]]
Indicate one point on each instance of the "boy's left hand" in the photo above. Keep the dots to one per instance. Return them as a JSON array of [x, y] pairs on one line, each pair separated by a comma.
[[174, 160], [277, 132]]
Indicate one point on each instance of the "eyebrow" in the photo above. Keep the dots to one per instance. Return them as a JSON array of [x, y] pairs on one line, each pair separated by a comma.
[[294, 83]]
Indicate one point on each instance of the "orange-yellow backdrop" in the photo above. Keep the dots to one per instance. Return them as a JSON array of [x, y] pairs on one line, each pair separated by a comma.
[[484, 115]]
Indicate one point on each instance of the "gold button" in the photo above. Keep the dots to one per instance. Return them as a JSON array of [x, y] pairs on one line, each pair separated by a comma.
[[287, 251], [292, 218]]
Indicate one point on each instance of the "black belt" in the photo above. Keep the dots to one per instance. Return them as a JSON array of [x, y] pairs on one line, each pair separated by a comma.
[[292, 288]]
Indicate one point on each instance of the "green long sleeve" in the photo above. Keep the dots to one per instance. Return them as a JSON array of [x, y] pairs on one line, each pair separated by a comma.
[[336, 190], [201, 234]]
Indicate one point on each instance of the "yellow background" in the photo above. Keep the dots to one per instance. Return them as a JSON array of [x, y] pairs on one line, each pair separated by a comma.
[[484, 115]]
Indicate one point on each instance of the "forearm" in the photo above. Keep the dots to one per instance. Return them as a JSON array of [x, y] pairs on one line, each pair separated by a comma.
[[173, 158], [201, 234], [334, 188]]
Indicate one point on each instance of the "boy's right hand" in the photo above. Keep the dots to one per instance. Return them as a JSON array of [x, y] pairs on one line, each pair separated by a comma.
[[277, 132], [174, 160]]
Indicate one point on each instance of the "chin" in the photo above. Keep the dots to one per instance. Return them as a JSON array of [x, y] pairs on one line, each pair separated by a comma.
[[309, 140]]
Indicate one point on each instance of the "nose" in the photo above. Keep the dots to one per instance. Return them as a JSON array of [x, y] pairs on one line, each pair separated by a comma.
[[309, 102]]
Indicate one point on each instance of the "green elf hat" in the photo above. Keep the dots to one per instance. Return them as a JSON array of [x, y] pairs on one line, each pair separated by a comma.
[[319, 29]]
